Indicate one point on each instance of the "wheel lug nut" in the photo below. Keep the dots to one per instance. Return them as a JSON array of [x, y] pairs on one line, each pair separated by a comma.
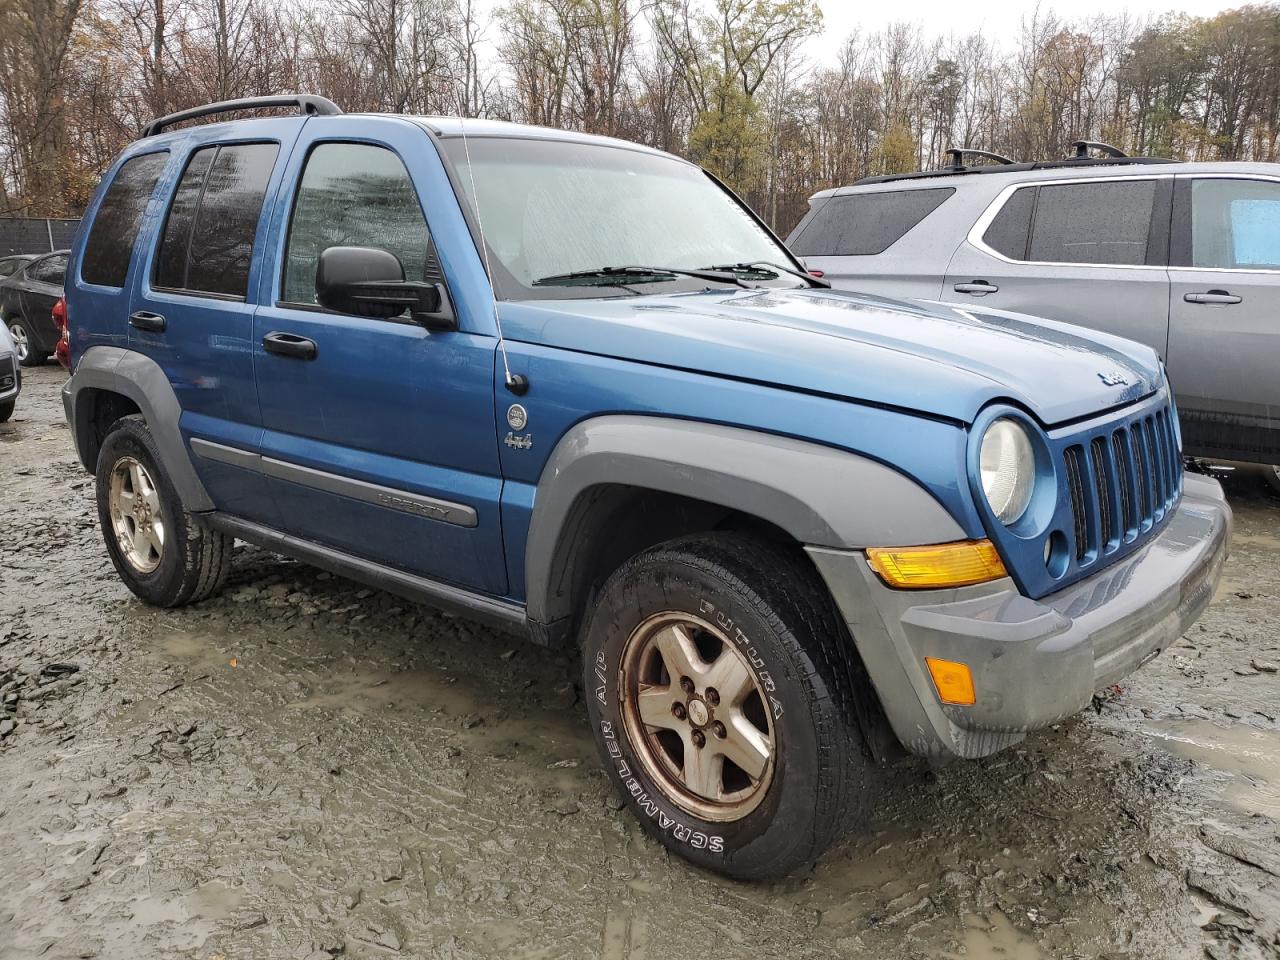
[[699, 739], [677, 710], [713, 696], [718, 729], [686, 685]]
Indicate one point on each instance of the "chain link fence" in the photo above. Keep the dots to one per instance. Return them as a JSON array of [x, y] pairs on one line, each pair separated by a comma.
[[35, 235]]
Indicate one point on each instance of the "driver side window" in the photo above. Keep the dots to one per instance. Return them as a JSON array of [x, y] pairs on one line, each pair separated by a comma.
[[354, 195]]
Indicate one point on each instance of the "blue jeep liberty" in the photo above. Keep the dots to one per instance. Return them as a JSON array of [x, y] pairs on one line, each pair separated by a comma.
[[574, 388]]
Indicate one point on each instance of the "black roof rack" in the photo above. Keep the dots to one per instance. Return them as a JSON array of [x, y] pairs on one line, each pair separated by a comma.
[[306, 103], [957, 155], [1114, 157]]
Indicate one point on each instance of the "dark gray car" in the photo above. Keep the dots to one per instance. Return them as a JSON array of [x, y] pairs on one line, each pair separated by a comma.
[[26, 304], [1182, 257]]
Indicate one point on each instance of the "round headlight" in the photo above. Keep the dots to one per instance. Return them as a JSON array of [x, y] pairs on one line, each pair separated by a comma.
[[1008, 467]]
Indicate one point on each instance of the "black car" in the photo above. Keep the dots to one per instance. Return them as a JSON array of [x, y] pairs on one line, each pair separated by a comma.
[[27, 297], [11, 265]]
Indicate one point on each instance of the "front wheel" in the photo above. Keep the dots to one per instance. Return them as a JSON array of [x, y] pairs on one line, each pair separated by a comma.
[[6, 410], [159, 549], [721, 696]]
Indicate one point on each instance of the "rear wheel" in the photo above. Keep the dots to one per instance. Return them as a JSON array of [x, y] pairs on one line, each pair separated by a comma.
[[722, 701], [29, 354], [159, 549]]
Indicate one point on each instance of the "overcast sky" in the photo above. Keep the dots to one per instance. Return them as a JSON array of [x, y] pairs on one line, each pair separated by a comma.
[[998, 19]]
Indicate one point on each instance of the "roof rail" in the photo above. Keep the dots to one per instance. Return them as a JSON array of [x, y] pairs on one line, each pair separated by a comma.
[[1083, 147], [306, 103], [957, 155]]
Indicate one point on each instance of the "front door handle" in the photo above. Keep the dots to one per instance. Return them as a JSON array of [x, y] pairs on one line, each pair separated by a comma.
[[1213, 296], [145, 320], [978, 288], [289, 345]]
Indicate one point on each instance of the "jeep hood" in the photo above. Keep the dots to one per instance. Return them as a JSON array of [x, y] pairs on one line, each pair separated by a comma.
[[927, 357]]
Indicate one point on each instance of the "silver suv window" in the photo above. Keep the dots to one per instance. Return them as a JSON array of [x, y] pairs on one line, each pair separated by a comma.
[[863, 224], [1235, 224], [1106, 223]]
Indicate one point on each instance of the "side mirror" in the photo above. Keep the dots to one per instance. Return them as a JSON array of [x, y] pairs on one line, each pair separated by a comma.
[[369, 282]]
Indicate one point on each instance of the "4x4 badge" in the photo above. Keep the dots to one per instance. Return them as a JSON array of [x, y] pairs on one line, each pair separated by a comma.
[[519, 443], [1113, 378]]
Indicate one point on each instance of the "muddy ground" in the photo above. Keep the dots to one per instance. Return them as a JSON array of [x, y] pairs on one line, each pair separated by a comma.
[[302, 767]]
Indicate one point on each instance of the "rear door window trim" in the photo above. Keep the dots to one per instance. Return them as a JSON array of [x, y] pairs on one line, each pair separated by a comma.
[[983, 223]]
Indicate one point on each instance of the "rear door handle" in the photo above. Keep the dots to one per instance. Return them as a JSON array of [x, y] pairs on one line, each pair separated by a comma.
[[978, 288], [145, 320], [1213, 296], [289, 345]]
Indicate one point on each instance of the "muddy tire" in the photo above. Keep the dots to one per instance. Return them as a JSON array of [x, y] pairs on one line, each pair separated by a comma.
[[750, 762], [160, 550]]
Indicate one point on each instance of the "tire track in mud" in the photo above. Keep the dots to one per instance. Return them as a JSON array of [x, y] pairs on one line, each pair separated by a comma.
[[377, 778]]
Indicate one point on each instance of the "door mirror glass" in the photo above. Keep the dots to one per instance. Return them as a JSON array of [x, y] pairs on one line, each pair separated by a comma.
[[369, 282]]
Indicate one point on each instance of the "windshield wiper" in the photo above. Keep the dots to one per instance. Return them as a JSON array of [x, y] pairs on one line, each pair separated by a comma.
[[755, 265], [614, 276]]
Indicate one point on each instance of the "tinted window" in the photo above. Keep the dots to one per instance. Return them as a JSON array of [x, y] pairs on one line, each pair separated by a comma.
[[9, 267], [110, 245], [354, 195], [1235, 224], [209, 234], [1009, 230], [865, 224], [1104, 223], [49, 270], [171, 262]]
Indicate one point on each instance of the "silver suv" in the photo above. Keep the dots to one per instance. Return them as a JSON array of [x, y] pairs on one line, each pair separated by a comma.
[[1184, 257]]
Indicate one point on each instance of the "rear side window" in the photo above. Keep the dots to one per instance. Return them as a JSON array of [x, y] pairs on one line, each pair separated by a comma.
[[209, 232], [115, 228], [865, 224], [354, 195], [1011, 228], [9, 267], [49, 270], [1235, 224], [1106, 223]]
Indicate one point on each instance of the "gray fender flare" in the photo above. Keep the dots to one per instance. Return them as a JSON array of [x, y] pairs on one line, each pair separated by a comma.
[[821, 496], [141, 379]]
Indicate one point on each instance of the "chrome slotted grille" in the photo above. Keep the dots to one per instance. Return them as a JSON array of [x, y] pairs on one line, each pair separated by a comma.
[[1121, 482]]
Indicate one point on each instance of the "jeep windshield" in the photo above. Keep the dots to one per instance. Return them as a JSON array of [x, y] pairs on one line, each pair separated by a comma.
[[564, 219]]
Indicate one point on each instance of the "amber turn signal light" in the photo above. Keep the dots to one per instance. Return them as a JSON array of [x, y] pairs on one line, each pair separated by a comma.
[[953, 681], [940, 565]]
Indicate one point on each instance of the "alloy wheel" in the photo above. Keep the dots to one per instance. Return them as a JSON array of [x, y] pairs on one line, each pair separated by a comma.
[[697, 717], [136, 516], [19, 334]]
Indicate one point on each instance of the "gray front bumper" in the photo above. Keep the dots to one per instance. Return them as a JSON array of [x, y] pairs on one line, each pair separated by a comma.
[[1034, 662]]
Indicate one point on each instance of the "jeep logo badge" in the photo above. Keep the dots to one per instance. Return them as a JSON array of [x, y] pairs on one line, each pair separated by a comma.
[[517, 417], [1113, 378]]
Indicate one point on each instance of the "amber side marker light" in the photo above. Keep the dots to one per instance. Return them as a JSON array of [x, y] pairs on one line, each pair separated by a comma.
[[941, 565], [953, 681]]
